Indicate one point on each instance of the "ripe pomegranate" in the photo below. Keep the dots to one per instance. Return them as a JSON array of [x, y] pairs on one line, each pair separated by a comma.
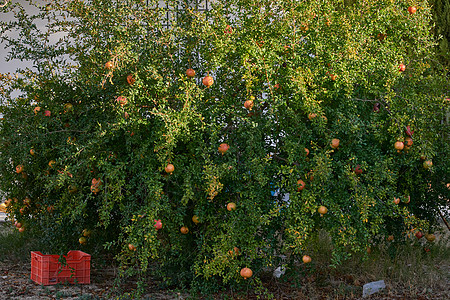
[[231, 206], [300, 185], [401, 68], [306, 259], [184, 230], [412, 10], [122, 100], [228, 30], [246, 273], [311, 175], [208, 81], [312, 116], [322, 210], [95, 186], [358, 170], [408, 142], [396, 200], [376, 107], [130, 79], [195, 219], [248, 104], [427, 164], [335, 143], [131, 247], [190, 73], [399, 145], [169, 168], [409, 199], [158, 224], [21, 229], [109, 65], [19, 169], [430, 237], [235, 251], [419, 235], [223, 148], [32, 152], [408, 131]]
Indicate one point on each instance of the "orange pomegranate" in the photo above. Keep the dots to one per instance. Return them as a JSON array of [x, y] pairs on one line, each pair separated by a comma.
[[19, 169], [231, 206], [169, 168], [408, 142], [130, 79], [190, 73], [399, 145], [322, 210], [208, 81], [427, 164], [195, 219], [248, 104], [95, 186], [246, 273], [334, 143], [307, 151], [312, 116], [300, 185], [109, 65], [306, 259], [223, 148]]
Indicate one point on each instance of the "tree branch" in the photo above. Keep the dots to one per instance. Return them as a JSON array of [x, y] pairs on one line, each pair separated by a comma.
[[283, 159], [4, 4]]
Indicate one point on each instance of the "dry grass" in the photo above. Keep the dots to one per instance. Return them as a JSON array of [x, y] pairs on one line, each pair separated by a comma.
[[409, 271]]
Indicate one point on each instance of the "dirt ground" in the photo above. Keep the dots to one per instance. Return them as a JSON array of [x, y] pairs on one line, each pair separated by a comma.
[[15, 283]]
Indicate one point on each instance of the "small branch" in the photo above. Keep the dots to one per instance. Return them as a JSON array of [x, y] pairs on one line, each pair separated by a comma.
[[64, 131], [443, 219], [283, 159], [4, 4], [366, 100]]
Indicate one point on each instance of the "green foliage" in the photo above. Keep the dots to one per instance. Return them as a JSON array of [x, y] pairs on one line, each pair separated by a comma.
[[116, 107], [441, 13]]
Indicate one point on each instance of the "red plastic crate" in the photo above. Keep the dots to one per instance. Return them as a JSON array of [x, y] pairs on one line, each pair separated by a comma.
[[47, 270]]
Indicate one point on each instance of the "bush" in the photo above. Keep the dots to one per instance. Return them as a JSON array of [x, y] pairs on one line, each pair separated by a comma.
[[305, 107]]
